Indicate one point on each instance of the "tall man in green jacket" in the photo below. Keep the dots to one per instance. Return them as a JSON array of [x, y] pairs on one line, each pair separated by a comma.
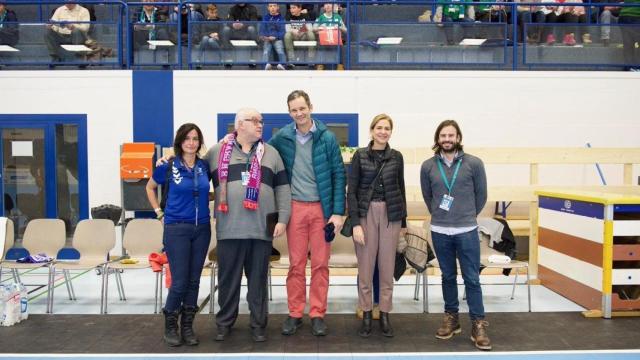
[[313, 162]]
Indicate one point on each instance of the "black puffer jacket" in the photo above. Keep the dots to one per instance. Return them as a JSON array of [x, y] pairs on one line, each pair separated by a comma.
[[364, 168]]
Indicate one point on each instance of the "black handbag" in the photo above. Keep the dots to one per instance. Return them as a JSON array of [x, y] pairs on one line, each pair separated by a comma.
[[347, 227]]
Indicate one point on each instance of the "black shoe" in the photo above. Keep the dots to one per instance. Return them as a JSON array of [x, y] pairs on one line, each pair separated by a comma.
[[291, 325], [186, 325], [365, 329], [318, 327], [385, 324], [171, 336], [228, 66], [222, 332], [258, 334], [252, 66]]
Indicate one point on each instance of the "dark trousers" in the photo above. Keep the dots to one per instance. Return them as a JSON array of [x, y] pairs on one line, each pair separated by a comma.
[[630, 35], [54, 39], [234, 256], [466, 248], [186, 246]]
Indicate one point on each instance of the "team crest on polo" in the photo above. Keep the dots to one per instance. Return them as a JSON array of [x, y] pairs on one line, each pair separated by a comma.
[[177, 178]]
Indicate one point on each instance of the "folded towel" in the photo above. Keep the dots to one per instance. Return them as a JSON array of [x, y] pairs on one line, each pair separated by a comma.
[[499, 259], [35, 259]]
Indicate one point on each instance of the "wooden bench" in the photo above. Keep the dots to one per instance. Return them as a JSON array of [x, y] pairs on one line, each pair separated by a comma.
[[534, 158]]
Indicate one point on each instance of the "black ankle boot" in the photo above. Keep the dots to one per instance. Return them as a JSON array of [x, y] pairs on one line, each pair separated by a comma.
[[385, 324], [365, 329], [171, 336], [186, 325]]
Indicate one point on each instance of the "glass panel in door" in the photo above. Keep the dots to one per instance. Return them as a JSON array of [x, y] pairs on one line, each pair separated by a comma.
[[23, 176], [67, 176]]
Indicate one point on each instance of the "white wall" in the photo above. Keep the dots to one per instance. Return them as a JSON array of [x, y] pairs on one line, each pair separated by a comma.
[[494, 108], [105, 96]]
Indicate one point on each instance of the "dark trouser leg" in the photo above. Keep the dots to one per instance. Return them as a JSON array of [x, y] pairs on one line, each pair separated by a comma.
[[468, 250], [231, 255], [256, 264], [177, 244], [199, 246], [445, 249], [53, 40]]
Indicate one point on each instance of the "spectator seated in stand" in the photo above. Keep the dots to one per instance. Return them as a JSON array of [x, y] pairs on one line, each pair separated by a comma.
[[568, 15], [210, 31], [309, 10], [188, 14], [448, 13], [9, 32], [243, 27], [528, 14], [330, 29], [145, 28], [298, 28], [69, 26], [272, 36], [605, 15]]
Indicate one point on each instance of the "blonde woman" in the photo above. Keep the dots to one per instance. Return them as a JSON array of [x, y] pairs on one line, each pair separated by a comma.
[[378, 211]]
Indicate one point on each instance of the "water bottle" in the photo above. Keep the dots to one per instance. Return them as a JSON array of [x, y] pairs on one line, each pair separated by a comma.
[[24, 302]]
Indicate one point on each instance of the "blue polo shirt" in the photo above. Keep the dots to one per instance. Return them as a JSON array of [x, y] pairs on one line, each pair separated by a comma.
[[181, 204]]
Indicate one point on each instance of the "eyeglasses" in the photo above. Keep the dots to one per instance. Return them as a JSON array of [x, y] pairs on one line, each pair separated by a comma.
[[255, 121]]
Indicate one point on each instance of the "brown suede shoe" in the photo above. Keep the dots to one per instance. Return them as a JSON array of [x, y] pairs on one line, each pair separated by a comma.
[[450, 326], [479, 334]]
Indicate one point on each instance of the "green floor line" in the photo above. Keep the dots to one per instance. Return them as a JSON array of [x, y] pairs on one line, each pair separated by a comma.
[[62, 283], [11, 275]]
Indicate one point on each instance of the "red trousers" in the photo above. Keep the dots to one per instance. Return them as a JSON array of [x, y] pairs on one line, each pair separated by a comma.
[[305, 233]]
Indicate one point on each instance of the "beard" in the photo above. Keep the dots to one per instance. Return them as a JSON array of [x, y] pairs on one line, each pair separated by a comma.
[[451, 147]]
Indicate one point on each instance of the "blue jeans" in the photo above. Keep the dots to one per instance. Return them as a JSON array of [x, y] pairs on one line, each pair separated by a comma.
[[269, 46], [186, 246], [209, 43], [466, 247]]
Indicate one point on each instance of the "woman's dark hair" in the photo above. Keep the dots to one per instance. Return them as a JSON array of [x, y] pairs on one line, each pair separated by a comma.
[[444, 124], [296, 94], [181, 135]]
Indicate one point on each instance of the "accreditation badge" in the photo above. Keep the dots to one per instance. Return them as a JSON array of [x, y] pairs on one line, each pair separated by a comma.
[[446, 202], [245, 178]]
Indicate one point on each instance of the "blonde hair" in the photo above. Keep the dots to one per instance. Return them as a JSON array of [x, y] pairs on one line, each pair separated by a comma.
[[380, 117]]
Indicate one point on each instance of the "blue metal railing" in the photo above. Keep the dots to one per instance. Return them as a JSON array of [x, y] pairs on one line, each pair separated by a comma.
[[510, 51]]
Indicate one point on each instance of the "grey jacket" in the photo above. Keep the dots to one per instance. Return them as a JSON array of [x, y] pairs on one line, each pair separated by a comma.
[[469, 190], [275, 195]]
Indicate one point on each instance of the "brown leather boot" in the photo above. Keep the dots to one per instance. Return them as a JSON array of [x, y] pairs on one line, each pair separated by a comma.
[[479, 334], [450, 326]]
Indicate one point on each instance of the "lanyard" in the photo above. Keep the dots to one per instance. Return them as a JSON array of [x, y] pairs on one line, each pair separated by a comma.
[[444, 176]]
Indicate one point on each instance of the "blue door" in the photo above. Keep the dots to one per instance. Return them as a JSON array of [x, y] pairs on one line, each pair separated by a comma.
[[44, 169]]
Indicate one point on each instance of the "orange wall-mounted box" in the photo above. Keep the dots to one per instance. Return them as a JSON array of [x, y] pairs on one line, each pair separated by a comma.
[[136, 160]]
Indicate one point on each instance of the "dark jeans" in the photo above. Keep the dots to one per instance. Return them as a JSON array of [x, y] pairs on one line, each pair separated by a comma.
[[186, 246], [234, 256], [54, 39], [450, 29], [248, 32], [466, 248], [630, 35]]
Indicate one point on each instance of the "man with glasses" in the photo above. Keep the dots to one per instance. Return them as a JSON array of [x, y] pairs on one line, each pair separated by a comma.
[[252, 206]]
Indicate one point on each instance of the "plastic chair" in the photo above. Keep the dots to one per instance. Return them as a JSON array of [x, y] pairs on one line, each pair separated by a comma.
[[8, 243], [93, 239], [41, 236], [141, 238]]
